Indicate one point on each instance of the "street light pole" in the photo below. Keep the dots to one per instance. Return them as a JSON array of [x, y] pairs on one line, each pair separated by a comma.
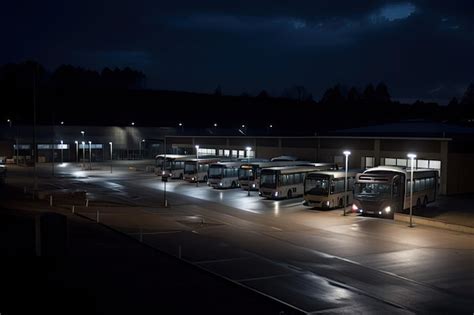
[[90, 155], [83, 154], [197, 166], [110, 143], [77, 150], [346, 153], [412, 158], [248, 174], [83, 150], [62, 156]]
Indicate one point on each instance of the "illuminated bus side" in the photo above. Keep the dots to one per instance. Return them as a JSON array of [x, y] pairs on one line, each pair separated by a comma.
[[285, 181], [326, 189], [172, 167], [224, 175], [384, 190], [249, 173], [197, 169]]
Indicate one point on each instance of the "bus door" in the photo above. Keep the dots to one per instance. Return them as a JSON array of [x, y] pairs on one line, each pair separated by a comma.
[[398, 193]]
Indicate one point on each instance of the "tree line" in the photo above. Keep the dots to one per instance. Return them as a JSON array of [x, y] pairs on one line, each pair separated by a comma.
[[119, 96]]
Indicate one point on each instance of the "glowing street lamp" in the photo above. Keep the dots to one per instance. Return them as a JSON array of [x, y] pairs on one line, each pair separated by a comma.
[[346, 153], [248, 171], [412, 158], [197, 164]]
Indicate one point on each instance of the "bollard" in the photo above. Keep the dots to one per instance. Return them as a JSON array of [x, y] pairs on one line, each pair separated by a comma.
[[179, 251], [50, 200], [73, 209], [87, 202], [97, 216]]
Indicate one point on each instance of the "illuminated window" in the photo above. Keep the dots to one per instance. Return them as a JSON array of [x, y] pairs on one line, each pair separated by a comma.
[[401, 162], [422, 163], [367, 161], [235, 153], [241, 153], [226, 152], [390, 162], [435, 164]]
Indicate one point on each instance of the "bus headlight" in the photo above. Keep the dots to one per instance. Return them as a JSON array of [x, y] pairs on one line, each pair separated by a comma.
[[192, 178], [354, 207], [276, 193], [253, 185], [327, 203], [387, 209], [163, 173], [220, 184]]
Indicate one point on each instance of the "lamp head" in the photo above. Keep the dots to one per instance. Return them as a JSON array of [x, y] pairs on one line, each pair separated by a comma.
[[411, 155], [346, 153]]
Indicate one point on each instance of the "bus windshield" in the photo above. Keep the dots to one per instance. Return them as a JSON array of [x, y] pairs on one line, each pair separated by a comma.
[[268, 180], [372, 190], [215, 172], [317, 186], [190, 168], [245, 174]]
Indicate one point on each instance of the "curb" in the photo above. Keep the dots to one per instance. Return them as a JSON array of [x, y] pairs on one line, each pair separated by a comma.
[[434, 223]]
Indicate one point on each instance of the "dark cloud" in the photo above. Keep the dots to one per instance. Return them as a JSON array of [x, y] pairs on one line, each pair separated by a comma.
[[419, 48]]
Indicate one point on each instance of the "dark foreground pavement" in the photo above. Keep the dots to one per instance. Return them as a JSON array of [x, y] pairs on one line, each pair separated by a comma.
[[104, 272]]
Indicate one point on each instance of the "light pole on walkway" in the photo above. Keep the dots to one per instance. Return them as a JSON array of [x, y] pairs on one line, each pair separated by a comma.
[[346, 153], [412, 160]]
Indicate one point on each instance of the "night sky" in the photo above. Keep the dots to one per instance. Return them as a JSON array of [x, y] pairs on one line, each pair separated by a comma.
[[420, 49]]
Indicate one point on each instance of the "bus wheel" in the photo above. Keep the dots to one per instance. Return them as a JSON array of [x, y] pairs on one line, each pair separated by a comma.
[[233, 185], [289, 194], [340, 203]]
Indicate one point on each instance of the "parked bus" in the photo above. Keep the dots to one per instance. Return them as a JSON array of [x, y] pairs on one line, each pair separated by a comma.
[[172, 167], [196, 169], [384, 190], [287, 181], [249, 173], [224, 174], [326, 189]]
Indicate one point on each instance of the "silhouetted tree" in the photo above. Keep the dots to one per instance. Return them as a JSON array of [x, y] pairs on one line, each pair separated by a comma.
[[381, 94], [353, 96], [453, 102], [369, 94], [263, 94], [468, 97], [218, 91], [333, 96]]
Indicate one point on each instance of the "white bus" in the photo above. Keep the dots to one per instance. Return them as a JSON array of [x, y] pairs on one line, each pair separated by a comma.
[[196, 169], [326, 189], [384, 190], [287, 181], [172, 167], [249, 173], [224, 174]]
